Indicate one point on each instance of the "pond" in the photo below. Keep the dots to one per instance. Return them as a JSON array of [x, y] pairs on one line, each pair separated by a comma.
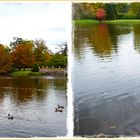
[[32, 101], [106, 77]]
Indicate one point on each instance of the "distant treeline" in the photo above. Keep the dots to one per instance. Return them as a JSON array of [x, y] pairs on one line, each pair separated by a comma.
[[113, 10], [28, 53]]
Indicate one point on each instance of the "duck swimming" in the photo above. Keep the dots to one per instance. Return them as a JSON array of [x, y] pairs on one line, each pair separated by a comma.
[[58, 110], [60, 107], [10, 117]]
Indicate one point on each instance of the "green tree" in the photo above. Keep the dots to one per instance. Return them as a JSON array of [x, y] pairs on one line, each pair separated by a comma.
[[58, 60], [135, 9], [111, 12], [35, 68], [122, 7]]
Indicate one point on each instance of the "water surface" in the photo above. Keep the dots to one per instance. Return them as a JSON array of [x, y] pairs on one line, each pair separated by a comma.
[[31, 100], [107, 79]]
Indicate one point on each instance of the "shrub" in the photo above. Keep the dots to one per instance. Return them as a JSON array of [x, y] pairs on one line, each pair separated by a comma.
[[35, 68], [100, 14]]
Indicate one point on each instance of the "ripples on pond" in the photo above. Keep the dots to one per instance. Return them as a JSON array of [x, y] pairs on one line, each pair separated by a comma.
[[32, 102], [107, 79]]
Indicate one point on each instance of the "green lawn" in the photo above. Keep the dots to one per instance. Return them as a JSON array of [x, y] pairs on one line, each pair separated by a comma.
[[123, 21], [24, 73], [88, 22]]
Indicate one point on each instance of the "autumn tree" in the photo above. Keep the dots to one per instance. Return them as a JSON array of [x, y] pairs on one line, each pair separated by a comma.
[[82, 11], [100, 14], [41, 52], [96, 6], [85, 10], [5, 60], [22, 54]]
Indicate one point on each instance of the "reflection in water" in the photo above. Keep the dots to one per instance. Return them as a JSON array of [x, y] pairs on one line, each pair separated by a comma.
[[102, 38], [99, 33], [31, 100], [136, 37], [107, 79]]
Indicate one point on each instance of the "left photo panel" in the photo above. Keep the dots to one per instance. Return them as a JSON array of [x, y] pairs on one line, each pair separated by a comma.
[[33, 69]]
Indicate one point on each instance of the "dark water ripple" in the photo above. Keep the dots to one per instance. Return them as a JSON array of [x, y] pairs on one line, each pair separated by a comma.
[[107, 80], [31, 101]]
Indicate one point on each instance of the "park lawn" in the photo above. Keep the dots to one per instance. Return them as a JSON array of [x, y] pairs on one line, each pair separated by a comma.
[[23, 73], [118, 21], [84, 22], [28, 72], [122, 21]]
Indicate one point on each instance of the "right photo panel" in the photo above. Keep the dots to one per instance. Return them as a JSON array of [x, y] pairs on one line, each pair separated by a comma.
[[106, 69]]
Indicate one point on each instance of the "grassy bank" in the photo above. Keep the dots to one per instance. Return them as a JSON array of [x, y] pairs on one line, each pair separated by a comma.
[[84, 22], [49, 72], [89, 22], [122, 21], [23, 73]]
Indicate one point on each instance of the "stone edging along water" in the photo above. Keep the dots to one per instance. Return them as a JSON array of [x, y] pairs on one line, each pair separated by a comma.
[[54, 72]]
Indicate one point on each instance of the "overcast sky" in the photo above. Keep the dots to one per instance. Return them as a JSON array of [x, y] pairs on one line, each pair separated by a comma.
[[34, 20]]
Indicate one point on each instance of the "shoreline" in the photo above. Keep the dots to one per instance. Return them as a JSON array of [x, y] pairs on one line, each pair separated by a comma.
[[93, 21], [46, 72], [54, 72]]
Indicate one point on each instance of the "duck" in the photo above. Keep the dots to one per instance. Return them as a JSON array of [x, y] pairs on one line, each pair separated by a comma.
[[62, 107], [10, 117], [58, 110]]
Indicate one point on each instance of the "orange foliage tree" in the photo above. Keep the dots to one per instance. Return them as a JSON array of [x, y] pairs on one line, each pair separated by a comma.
[[22, 55], [5, 60]]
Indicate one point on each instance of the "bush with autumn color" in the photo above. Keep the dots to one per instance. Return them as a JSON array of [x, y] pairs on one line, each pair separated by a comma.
[[100, 14]]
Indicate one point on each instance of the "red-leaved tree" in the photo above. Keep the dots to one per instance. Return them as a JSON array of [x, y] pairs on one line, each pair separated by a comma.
[[100, 14]]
